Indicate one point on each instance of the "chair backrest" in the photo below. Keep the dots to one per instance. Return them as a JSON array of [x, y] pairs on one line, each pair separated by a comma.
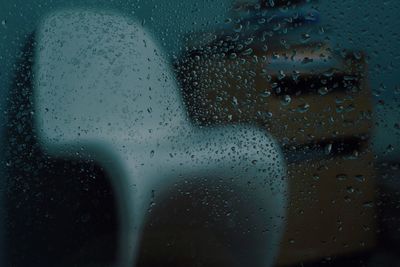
[[106, 59]]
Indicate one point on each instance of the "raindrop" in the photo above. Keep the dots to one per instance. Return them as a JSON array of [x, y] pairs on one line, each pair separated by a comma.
[[350, 190], [286, 100], [316, 177], [305, 37], [272, 3], [281, 75], [261, 21], [247, 52], [238, 27], [303, 108], [368, 204], [266, 93], [360, 178], [328, 149], [323, 90], [341, 177]]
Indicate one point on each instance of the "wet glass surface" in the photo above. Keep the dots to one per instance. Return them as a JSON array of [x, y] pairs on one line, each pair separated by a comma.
[[199, 133]]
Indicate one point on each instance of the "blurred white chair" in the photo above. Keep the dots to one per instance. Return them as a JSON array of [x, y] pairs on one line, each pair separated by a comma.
[[104, 91]]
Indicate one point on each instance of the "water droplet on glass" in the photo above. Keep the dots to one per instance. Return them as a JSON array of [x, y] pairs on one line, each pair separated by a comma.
[[281, 75], [271, 3], [368, 204], [360, 178], [303, 108], [328, 149], [286, 100], [247, 52], [305, 37], [341, 177], [350, 190], [316, 177], [266, 93], [323, 90]]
